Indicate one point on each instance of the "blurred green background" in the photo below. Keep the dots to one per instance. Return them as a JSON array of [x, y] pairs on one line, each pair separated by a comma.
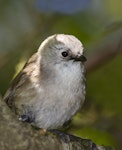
[[98, 24]]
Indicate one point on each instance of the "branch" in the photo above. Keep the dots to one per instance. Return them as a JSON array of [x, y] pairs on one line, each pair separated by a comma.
[[16, 135], [109, 48]]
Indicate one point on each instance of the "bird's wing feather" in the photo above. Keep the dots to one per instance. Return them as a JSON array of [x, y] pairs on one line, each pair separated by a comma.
[[20, 82]]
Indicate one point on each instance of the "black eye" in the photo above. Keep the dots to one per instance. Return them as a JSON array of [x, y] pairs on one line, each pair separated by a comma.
[[64, 54]]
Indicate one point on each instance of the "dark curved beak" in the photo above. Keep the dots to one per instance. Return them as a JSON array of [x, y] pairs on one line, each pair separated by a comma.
[[81, 58]]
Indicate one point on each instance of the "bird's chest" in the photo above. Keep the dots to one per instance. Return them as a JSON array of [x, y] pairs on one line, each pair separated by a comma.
[[61, 98], [66, 90], [69, 78]]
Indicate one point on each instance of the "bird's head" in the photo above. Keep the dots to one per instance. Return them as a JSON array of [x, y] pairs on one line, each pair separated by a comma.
[[61, 48]]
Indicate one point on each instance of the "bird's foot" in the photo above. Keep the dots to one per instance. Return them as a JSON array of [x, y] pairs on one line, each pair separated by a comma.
[[25, 118], [43, 131]]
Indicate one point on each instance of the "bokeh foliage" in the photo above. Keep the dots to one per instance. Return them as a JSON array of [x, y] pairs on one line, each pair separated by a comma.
[[23, 26]]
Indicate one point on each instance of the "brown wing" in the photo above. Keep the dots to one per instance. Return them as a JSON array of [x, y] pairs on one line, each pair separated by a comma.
[[21, 81]]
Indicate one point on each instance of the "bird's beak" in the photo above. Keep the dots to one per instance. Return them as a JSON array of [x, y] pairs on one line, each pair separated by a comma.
[[81, 58]]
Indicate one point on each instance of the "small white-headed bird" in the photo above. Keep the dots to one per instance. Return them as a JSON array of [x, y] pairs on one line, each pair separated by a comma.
[[50, 88]]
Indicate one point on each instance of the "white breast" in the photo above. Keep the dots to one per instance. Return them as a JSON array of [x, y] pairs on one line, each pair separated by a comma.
[[61, 99]]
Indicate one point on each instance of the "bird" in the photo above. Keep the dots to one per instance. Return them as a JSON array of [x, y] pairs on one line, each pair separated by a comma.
[[51, 87]]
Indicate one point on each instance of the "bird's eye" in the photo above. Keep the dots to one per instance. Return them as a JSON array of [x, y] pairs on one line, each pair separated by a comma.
[[64, 54]]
